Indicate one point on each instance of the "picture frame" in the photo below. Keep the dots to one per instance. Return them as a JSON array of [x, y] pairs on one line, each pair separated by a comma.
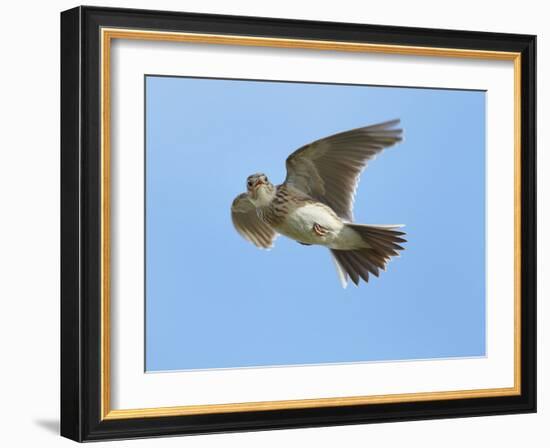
[[87, 174]]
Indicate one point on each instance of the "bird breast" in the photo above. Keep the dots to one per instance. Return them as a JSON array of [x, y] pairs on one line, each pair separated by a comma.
[[276, 211]]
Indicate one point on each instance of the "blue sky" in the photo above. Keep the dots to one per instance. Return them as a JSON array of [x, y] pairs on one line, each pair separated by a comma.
[[215, 301]]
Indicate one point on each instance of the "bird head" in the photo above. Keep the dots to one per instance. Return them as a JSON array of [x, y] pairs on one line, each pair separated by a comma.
[[260, 190]]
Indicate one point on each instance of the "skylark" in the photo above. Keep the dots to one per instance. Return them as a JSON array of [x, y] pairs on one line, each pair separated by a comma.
[[314, 204]]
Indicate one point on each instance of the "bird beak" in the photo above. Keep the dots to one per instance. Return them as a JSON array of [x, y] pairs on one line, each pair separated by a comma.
[[258, 183]]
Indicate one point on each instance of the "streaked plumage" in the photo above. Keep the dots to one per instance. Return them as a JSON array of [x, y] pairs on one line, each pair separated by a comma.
[[314, 205]]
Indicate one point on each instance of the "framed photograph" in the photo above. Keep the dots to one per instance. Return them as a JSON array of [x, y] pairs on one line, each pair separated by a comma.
[[273, 223]]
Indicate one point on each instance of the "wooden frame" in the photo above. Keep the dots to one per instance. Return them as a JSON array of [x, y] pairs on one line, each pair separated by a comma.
[[86, 34]]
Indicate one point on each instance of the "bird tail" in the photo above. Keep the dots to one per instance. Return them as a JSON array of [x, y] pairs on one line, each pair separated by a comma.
[[382, 243]]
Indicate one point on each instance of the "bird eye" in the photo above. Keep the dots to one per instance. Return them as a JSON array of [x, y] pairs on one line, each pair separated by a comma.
[[249, 183]]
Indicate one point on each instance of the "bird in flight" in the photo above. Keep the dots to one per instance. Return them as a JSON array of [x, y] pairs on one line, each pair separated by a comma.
[[314, 205]]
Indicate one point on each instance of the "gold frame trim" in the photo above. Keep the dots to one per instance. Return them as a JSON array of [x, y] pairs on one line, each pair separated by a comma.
[[107, 35]]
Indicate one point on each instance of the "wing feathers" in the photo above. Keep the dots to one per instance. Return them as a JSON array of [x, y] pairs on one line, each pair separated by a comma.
[[329, 169], [249, 225]]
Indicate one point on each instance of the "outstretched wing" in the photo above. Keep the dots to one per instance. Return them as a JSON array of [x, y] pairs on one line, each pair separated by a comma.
[[328, 169], [247, 223]]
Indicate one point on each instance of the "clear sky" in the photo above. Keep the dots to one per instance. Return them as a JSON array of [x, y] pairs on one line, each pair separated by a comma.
[[213, 300]]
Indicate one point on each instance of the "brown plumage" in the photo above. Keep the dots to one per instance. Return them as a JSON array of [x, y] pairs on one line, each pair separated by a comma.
[[315, 203]]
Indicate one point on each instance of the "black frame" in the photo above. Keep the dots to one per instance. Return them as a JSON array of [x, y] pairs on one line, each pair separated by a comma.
[[80, 224]]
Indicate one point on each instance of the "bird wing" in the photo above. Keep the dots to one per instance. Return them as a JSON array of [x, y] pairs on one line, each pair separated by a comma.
[[249, 225], [328, 169]]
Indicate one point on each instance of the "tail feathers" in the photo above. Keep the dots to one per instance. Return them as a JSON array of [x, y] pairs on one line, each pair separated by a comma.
[[383, 242]]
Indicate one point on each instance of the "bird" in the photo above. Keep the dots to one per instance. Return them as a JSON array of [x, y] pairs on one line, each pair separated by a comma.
[[314, 204]]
